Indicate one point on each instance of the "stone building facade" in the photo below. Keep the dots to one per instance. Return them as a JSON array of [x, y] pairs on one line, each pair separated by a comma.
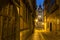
[[16, 16], [27, 16], [52, 15]]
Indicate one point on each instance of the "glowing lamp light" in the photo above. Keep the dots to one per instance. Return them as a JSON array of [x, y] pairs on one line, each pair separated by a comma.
[[36, 20]]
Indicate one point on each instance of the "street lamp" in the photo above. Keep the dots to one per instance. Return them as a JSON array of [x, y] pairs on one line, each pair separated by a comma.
[[36, 20]]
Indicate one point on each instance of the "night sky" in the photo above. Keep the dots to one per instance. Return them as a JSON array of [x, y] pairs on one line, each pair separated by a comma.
[[40, 2]]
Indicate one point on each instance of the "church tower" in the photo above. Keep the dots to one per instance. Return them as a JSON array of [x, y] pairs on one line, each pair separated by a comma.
[[40, 14]]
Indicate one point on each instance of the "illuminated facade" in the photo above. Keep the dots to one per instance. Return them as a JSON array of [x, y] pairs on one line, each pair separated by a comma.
[[40, 14], [39, 18], [16, 16], [52, 14], [27, 16]]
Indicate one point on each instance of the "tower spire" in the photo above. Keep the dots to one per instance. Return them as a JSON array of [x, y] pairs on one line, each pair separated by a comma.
[[39, 6]]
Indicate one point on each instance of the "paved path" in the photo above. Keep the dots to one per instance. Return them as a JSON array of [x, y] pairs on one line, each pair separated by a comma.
[[36, 36]]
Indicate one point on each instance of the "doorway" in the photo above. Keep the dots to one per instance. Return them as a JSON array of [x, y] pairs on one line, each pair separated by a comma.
[[50, 26]]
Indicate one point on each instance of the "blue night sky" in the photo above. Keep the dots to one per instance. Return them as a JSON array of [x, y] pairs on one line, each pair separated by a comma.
[[39, 2]]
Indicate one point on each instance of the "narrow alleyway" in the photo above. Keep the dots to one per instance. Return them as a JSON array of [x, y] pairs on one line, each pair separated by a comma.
[[29, 19]]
